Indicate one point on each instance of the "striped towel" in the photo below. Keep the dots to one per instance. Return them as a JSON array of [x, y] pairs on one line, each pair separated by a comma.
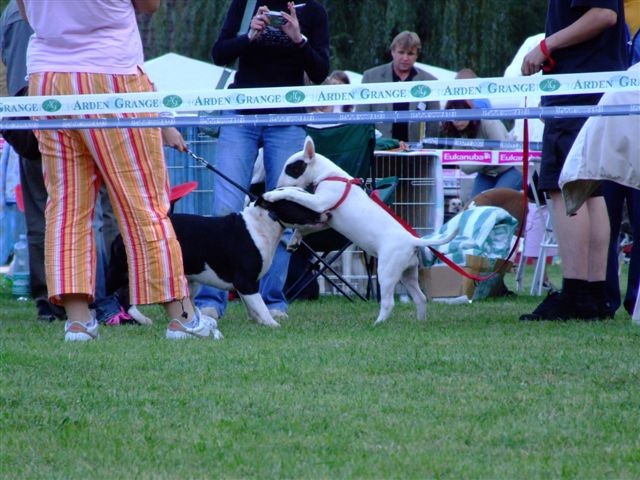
[[482, 231]]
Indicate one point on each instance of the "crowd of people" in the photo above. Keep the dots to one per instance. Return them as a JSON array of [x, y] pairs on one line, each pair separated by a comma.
[[101, 52]]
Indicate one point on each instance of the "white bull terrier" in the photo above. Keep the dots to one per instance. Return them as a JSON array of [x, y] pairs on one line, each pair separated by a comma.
[[363, 221]]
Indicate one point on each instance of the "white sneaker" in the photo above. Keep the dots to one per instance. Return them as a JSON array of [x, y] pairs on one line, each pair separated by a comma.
[[80, 332], [204, 327]]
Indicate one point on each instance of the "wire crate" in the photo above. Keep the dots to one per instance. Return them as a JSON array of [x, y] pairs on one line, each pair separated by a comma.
[[419, 195]]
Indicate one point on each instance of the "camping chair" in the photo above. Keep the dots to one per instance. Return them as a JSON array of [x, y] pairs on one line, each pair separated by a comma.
[[548, 243], [351, 147]]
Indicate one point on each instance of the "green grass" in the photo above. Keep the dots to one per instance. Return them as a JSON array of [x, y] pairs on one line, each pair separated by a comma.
[[471, 393]]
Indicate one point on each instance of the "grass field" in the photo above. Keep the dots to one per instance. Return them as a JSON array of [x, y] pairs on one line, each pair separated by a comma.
[[471, 393]]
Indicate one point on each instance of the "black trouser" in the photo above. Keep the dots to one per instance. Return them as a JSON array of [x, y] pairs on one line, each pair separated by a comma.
[[615, 195], [34, 195]]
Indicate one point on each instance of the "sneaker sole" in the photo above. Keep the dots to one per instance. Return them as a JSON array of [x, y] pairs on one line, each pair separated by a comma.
[[179, 335], [176, 332], [78, 337]]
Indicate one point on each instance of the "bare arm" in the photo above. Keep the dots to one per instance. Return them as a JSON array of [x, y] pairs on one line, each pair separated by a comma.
[[589, 25], [173, 138], [146, 6]]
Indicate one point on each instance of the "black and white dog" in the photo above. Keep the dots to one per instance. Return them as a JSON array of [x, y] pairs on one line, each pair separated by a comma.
[[228, 252], [356, 216]]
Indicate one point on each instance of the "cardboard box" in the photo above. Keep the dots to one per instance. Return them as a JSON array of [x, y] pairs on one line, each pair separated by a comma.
[[441, 281]]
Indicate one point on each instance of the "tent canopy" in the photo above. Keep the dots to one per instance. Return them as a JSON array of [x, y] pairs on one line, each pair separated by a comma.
[[173, 72]]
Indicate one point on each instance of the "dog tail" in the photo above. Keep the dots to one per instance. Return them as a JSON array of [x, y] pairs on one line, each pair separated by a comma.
[[437, 240], [423, 244]]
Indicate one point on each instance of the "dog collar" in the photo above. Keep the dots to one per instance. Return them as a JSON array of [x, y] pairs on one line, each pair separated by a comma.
[[347, 188]]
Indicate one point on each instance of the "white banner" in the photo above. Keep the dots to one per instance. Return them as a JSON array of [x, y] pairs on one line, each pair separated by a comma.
[[320, 95]]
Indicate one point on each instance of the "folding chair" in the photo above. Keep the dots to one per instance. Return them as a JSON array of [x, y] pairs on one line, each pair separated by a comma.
[[547, 243], [351, 147]]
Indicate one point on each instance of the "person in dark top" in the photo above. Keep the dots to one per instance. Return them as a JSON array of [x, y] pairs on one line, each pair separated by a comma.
[[581, 36], [268, 55]]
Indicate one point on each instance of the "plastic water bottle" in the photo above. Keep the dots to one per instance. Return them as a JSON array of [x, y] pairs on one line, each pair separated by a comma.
[[21, 288]]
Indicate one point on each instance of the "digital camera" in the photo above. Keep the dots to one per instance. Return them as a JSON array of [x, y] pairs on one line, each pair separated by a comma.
[[276, 19]]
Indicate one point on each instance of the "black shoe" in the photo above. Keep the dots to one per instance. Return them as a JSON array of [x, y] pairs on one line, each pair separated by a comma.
[[629, 305], [560, 306], [606, 311], [48, 312]]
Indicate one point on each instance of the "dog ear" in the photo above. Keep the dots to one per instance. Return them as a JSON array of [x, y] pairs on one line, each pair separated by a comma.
[[309, 148]]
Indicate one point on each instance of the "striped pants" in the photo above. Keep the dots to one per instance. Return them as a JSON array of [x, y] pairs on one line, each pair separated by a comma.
[[130, 161]]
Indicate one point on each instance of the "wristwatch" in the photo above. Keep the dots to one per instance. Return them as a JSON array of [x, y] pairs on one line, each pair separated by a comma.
[[302, 42]]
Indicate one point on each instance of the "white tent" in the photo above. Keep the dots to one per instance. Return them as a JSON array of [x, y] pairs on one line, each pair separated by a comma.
[[513, 70], [438, 72], [173, 72], [354, 77], [536, 126]]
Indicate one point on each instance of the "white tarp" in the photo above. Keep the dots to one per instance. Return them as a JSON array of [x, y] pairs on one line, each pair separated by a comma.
[[173, 72], [536, 126], [438, 72]]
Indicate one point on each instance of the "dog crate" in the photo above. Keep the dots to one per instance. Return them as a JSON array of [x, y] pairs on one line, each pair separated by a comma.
[[182, 168], [418, 200], [419, 195]]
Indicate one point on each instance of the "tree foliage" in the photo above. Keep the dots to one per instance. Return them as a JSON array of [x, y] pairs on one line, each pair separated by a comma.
[[480, 34]]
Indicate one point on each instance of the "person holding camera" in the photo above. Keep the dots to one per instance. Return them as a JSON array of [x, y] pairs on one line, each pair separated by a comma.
[[284, 41]]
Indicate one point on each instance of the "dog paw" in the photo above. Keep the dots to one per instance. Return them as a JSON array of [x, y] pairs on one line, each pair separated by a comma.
[[216, 334], [272, 323], [272, 196], [138, 316]]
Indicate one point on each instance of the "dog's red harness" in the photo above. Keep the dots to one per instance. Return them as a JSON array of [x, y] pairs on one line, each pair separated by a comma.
[[347, 188]]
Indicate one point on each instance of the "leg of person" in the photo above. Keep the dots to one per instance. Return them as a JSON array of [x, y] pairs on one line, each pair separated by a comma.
[[598, 248], [132, 165], [481, 183], [279, 144], [153, 253], [70, 175], [633, 281], [34, 194], [614, 198], [109, 223], [511, 178], [101, 252], [235, 155], [572, 233]]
